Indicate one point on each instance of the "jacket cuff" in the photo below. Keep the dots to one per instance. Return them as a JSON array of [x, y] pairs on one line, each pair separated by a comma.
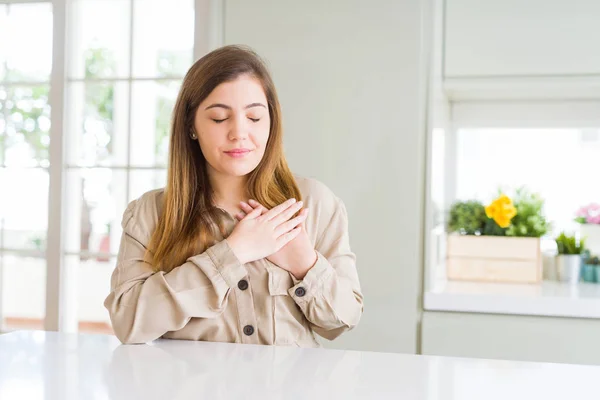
[[306, 289], [226, 263]]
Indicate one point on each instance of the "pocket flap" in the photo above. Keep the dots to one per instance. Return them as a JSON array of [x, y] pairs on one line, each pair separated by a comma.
[[280, 280]]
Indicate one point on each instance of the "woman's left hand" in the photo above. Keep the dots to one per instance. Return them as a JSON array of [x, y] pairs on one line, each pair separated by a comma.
[[298, 256]]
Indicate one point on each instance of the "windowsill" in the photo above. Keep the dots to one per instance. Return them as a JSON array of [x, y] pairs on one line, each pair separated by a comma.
[[554, 299]]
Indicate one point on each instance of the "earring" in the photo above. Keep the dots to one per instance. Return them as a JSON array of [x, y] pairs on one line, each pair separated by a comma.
[[193, 135]]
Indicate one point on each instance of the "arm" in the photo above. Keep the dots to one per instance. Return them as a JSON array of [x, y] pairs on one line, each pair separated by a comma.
[[329, 295], [143, 304]]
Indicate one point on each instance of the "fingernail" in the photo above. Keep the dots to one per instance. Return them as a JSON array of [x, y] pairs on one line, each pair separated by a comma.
[[300, 203], [252, 201], [292, 200]]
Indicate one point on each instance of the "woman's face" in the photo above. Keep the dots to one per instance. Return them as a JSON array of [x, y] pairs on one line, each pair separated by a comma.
[[232, 125]]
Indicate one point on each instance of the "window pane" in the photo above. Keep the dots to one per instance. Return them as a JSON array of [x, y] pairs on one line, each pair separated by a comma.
[[93, 286], [163, 52], [3, 95], [29, 49], [142, 181], [152, 105], [24, 208], [3, 43], [560, 164], [27, 126], [96, 202], [97, 124], [23, 291], [100, 47]]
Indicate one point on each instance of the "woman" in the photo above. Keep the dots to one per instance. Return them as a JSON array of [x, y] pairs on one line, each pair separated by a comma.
[[235, 248]]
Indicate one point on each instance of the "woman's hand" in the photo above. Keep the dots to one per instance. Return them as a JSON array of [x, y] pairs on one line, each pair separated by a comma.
[[298, 256], [260, 234]]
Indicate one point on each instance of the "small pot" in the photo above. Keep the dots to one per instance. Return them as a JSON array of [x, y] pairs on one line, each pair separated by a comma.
[[568, 268], [588, 272]]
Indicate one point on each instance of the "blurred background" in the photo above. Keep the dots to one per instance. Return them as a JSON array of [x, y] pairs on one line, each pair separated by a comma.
[[405, 109]]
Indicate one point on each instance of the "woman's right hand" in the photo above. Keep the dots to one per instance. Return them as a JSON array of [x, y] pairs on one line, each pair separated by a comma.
[[258, 236]]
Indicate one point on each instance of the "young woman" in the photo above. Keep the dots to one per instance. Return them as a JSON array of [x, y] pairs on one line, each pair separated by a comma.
[[235, 248]]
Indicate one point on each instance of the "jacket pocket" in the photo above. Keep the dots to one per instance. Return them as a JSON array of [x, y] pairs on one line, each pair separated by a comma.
[[289, 323]]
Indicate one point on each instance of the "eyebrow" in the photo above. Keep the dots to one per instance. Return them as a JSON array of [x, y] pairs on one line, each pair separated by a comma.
[[219, 105]]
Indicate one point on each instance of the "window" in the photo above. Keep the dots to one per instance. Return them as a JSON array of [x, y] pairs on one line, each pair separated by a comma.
[[474, 163], [122, 84], [25, 64], [560, 164], [125, 60]]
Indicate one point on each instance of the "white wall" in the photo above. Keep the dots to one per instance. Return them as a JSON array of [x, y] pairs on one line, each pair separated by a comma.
[[526, 50], [351, 79], [487, 38]]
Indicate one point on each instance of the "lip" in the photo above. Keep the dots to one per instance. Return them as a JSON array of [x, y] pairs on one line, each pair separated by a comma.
[[237, 152]]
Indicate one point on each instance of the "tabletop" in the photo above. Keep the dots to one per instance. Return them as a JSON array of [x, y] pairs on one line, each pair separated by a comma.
[[53, 366]]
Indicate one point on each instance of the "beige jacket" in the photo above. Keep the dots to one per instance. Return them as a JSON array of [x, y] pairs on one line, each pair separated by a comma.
[[213, 297]]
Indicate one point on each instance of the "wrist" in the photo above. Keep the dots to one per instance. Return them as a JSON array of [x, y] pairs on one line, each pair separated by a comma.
[[301, 272], [236, 249]]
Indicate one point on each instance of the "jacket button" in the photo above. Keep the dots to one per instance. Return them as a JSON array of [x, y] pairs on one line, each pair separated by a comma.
[[243, 284], [248, 330], [300, 292]]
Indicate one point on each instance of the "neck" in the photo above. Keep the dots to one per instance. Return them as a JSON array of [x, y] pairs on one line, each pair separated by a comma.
[[228, 190]]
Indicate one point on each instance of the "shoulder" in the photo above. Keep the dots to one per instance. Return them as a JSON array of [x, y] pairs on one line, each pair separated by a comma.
[[325, 206], [315, 191], [141, 215]]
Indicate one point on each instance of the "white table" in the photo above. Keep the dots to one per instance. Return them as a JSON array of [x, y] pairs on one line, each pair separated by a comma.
[[53, 366]]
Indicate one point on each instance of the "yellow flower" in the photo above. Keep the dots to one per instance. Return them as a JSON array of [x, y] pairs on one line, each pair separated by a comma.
[[501, 210]]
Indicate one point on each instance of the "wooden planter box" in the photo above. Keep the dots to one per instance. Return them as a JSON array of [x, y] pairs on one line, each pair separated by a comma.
[[494, 259]]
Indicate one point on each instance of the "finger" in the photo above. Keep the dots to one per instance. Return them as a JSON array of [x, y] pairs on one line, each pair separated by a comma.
[[303, 224], [273, 212], [291, 224], [253, 214], [240, 216], [254, 204], [246, 207], [287, 214], [287, 237]]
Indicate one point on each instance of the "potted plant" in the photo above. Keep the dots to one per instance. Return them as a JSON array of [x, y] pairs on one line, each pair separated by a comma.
[[499, 242], [467, 218], [589, 219], [590, 270], [568, 260]]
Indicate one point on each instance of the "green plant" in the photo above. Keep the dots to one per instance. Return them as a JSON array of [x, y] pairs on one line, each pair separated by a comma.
[[567, 244], [467, 217], [530, 220], [593, 260]]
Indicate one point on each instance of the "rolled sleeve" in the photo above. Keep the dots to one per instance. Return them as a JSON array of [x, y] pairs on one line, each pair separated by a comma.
[[329, 295], [226, 263]]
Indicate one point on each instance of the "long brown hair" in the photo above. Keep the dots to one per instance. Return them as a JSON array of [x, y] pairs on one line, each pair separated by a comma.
[[189, 221]]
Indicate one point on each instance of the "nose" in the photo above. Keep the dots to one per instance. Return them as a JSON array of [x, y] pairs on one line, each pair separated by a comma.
[[239, 129]]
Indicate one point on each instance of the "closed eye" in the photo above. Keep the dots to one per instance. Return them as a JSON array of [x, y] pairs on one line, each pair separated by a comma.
[[254, 119], [218, 121]]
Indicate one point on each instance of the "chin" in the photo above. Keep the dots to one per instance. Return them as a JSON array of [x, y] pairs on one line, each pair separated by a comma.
[[240, 170]]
